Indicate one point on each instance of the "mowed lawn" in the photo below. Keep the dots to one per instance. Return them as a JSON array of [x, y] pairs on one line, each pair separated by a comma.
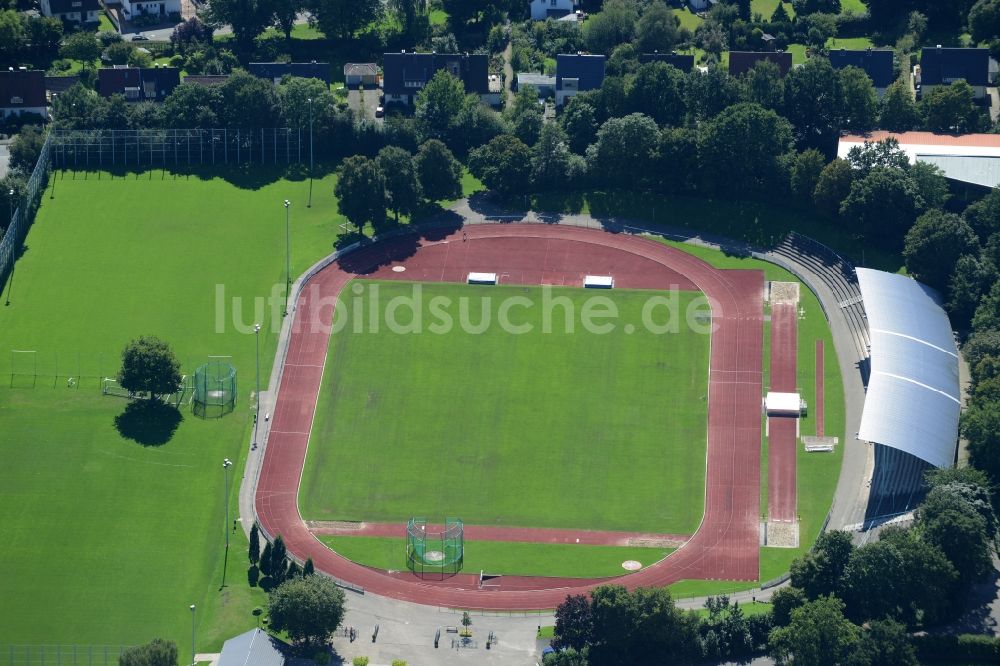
[[512, 558], [557, 429], [108, 541]]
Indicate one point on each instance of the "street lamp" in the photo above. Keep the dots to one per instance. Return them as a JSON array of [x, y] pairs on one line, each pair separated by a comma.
[[193, 662], [309, 205], [256, 418], [10, 207], [226, 464], [288, 257]]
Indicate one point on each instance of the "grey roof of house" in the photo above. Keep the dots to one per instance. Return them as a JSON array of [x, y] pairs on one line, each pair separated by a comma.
[[254, 648], [60, 84], [537, 80], [945, 65], [682, 61], [206, 79], [984, 171], [741, 62], [589, 69], [876, 63], [360, 69]]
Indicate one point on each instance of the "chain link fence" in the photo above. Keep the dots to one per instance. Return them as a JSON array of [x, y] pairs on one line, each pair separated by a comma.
[[60, 655], [87, 149], [24, 215]]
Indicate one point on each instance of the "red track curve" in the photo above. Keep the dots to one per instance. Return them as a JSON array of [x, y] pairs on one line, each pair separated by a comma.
[[725, 547]]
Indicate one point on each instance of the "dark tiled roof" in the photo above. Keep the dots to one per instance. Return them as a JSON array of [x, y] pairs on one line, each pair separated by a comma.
[[741, 62], [940, 65], [22, 88], [73, 6], [877, 64], [589, 69], [681, 61], [206, 79], [305, 70], [60, 84], [150, 84], [419, 68]]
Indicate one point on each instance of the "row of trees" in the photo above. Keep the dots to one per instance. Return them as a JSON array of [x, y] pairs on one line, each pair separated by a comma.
[[846, 604], [273, 561]]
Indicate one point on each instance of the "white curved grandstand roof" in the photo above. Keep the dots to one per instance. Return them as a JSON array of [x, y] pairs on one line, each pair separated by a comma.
[[913, 399]]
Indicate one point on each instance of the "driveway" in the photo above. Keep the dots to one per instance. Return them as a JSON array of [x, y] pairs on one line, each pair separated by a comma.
[[364, 101]]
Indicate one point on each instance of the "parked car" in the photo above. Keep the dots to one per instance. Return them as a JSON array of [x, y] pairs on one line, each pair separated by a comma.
[[379, 111], [139, 37]]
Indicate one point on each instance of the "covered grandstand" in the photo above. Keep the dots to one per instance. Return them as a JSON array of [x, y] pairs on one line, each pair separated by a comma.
[[913, 398]]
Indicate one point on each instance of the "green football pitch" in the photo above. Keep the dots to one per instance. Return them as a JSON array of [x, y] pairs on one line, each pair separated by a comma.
[[547, 428]]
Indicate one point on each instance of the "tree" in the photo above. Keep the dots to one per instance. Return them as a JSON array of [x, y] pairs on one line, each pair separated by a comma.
[[641, 627], [574, 623], [567, 657], [860, 100], [579, 120], [308, 569], [158, 652], [552, 164], [440, 174], [340, 19], [949, 520], [739, 150], [780, 14], [81, 46], [951, 108], [805, 7], [885, 154], [12, 35], [882, 205], [929, 587], [818, 573], [149, 366], [897, 111], [194, 106], [285, 12], [254, 545], [191, 32], [783, 602], [248, 18], [249, 102], [44, 37], [26, 147], [806, 170], [402, 187], [438, 105], [308, 609], [677, 160], [278, 558], [475, 126], [657, 28], [120, 53], [818, 634], [707, 94], [614, 25], [873, 582], [886, 643], [624, 151], [657, 90], [833, 186], [503, 164], [266, 558], [984, 215], [933, 245], [361, 191], [969, 280], [764, 85], [980, 424], [931, 184], [984, 20], [525, 115], [814, 102]]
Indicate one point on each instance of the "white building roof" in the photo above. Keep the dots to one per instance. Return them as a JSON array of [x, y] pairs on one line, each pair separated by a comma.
[[913, 398], [776, 401]]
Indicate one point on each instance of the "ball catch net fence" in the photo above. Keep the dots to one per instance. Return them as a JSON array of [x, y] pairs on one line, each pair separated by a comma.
[[435, 551], [214, 386]]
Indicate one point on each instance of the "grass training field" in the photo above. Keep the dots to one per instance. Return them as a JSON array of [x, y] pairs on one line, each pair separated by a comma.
[[559, 429], [108, 540], [506, 557]]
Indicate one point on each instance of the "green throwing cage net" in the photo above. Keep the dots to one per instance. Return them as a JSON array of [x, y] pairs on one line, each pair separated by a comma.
[[435, 550], [214, 389]]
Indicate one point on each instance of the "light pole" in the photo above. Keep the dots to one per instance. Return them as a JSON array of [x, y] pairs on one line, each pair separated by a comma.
[[193, 662], [288, 257], [256, 417], [226, 464], [10, 208], [309, 205]]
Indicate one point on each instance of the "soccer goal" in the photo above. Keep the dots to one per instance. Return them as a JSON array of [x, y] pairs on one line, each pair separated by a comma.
[[23, 368]]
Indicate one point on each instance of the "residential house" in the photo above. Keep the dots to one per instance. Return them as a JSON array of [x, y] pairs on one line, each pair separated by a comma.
[[576, 73], [57, 85], [129, 10], [361, 74], [206, 80], [877, 64], [545, 85], [275, 71], [405, 74], [72, 11], [681, 61], [135, 84], [543, 9], [943, 66], [741, 62], [22, 90], [702, 5], [254, 648]]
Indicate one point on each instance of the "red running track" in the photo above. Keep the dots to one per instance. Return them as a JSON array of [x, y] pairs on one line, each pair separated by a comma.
[[782, 431], [820, 379], [725, 547]]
